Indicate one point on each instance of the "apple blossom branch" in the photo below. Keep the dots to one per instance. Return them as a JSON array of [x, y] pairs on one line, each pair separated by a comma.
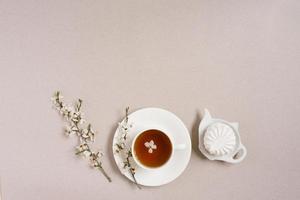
[[76, 125], [121, 147]]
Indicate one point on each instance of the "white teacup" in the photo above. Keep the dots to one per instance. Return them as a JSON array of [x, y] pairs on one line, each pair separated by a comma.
[[151, 146]]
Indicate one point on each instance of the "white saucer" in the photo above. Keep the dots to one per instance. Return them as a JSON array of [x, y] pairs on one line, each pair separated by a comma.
[[149, 118]]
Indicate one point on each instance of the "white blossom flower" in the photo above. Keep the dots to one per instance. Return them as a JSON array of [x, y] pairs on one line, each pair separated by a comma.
[[82, 147], [88, 134], [77, 117], [86, 154], [95, 158], [66, 111], [151, 146], [70, 130]]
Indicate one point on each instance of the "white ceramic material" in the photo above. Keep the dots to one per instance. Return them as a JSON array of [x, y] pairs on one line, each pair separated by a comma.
[[156, 118], [175, 147], [220, 140]]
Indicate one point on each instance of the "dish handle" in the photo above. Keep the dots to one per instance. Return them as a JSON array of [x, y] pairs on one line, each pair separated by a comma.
[[242, 151]]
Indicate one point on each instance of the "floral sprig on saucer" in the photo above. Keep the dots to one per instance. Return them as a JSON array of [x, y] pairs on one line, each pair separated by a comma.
[[122, 147], [76, 125]]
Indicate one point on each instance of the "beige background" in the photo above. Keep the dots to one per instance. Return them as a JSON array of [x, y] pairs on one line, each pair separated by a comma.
[[240, 59]]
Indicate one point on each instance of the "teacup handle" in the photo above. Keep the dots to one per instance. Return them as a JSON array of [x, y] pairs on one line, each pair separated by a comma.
[[180, 146], [241, 157]]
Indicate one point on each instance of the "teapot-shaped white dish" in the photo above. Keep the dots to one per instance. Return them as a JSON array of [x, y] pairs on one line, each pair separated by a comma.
[[220, 140]]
